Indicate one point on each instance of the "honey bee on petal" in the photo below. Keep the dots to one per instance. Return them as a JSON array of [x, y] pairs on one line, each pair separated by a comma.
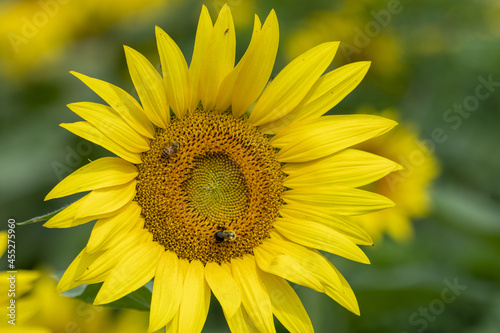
[[170, 149], [225, 236]]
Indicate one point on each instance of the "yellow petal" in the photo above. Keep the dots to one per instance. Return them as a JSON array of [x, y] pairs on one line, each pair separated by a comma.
[[107, 200], [102, 266], [175, 73], [345, 296], [240, 322], [104, 172], [219, 57], [330, 89], [350, 167], [287, 306], [334, 221], [318, 236], [149, 86], [254, 295], [227, 85], [122, 102], [75, 269], [173, 325], [167, 291], [195, 299], [66, 217], [109, 123], [200, 48], [108, 228], [87, 131], [291, 85], [257, 68], [313, 139], [295, 263], [131, 273], [340, 200], [325, 94], [224, 287]]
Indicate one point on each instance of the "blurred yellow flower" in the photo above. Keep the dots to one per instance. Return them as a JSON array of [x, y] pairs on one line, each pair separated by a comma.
[[408, 188], [35, 31], [39, 309], [363, 35]]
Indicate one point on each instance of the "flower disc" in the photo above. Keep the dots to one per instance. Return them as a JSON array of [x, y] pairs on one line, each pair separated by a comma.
[[208, 173]]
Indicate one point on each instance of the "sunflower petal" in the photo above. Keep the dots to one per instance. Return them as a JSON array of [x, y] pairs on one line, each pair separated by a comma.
[[167, 291], [107, 200], [251, 82], [122, 102], [334, 221], [287, 306], [254, 296], [66, 217], [291, 85], [224, 287], [219, 57], [108, 228], [330, 89], [296, 263], [341, 200], [350, 167], [175, 73], [195, 299], [318, 236], [227, 85], [87, 131], [344, 296], [109, 123], [325, 94], [102, 266], [132, 272], [313, 139], [240, 322], [75, 269], [104, 172], [201, 43], [149, 86]]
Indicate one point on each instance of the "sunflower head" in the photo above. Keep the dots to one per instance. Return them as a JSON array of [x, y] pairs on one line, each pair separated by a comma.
[[224, 182]]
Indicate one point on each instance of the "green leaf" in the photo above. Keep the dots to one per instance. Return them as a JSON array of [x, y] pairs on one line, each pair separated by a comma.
[[41, 218], [137, 300]]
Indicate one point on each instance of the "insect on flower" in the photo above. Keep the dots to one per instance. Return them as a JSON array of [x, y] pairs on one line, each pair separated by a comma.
[[170, 149], [225, 236]]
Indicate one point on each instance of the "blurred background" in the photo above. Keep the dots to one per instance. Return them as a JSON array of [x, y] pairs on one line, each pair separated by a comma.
[[435, 68]]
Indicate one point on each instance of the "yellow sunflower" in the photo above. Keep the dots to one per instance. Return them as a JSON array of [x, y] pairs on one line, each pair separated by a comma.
[[408, 187], [233, 191]]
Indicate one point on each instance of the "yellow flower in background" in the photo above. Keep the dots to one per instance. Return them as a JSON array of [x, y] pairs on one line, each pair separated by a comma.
[[41, 309], [36, 31], [408, 188], [362, 36], [233, 191]]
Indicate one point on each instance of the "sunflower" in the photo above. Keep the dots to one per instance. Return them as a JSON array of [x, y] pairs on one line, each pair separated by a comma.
[[407, 187], [232, 192]]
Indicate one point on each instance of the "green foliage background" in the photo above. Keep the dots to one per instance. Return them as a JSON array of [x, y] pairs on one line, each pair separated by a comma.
[[402, 290]]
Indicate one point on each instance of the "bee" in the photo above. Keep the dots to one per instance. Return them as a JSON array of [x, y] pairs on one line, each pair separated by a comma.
[[225, 236], [170, 149]]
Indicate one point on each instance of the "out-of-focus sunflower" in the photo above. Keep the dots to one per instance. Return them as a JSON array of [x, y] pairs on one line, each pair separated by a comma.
[[37, 308], [35, 32], [408, 187], [233, 191], [348, 23]]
